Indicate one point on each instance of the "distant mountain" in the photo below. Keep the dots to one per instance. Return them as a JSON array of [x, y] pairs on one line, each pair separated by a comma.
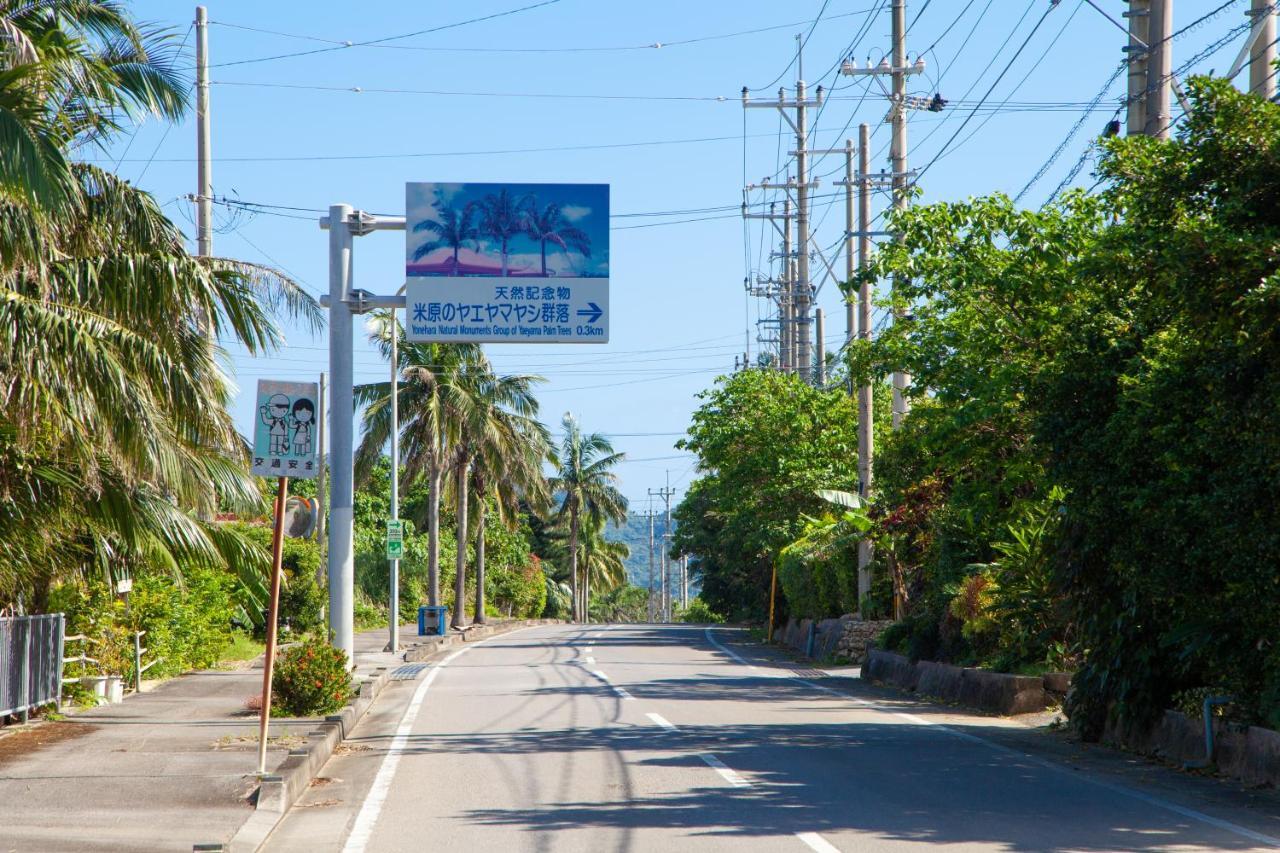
[[635, 533]]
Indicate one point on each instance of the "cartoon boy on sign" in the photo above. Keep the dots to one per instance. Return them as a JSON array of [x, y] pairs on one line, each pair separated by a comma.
[[275, 414]]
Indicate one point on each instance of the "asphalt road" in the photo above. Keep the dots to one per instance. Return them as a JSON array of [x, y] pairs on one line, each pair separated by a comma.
[[672, 738]]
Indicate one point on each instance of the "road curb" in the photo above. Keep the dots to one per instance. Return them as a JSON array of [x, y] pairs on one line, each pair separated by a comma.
[[278, 792]]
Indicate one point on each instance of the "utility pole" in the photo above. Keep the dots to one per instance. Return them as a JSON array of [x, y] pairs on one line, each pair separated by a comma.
[[866, 438], [1159, 116], [786, 299], [684, 581], [204, 169], [1139, 15], [798, 294], [1262, 79], [898, 158], [850, 311], [664, 601], [900, 177], [321, 502], [651, 607], [820, 350]]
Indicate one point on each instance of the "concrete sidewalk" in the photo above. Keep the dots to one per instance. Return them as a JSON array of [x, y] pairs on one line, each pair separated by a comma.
[[167, 769]]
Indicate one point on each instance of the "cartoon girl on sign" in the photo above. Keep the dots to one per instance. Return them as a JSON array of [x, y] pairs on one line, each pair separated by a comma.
[[304, 413], [275, 414]]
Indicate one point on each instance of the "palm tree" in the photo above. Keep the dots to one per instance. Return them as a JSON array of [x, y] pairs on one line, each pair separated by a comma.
[[430, 402], [502, 217], [115, 440], [70, 70], [507, 470], [587, 485], [491, 412], [550, 226], [452, 231]]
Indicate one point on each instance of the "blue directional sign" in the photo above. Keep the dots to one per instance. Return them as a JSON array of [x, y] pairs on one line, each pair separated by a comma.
[[509, 263]]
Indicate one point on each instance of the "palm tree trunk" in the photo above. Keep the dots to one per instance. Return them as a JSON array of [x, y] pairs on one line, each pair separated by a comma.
[[573, 560], [455, 260], [433, 536], [460, 576], [586, 593], [480, 508], [504, 257], [544, 258]]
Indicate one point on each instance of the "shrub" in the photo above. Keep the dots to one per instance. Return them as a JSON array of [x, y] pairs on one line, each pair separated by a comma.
[[302, 603], [699, 612], [311, 679]]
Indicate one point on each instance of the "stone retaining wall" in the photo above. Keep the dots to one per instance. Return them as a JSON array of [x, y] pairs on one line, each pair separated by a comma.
[[846, 637], [1248, 753], [998, 692]]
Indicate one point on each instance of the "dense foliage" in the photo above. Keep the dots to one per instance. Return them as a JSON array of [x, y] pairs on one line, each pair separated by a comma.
[[766, 443], [1090, 470]]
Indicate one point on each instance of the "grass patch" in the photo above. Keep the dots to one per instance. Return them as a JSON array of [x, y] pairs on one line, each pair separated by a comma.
[[241, 648]]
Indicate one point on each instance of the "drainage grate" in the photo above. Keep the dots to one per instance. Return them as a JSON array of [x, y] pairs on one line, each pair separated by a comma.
[[408, 672]]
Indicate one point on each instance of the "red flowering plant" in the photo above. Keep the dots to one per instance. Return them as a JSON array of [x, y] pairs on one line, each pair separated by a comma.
[[311, 679]]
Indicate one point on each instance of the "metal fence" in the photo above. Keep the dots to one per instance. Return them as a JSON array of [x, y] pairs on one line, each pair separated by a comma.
[[30, 662]]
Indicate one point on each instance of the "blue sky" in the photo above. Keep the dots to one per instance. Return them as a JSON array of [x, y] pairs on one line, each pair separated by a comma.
[[574, 92]]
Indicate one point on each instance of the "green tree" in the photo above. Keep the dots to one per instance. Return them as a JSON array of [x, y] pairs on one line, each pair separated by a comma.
[[766, 443], [431, 401], [115, 441], [586, 483]]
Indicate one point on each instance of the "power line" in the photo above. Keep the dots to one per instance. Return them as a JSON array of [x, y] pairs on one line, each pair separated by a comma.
[[371, 42], [991, 89], [654, 45], [366, 90]]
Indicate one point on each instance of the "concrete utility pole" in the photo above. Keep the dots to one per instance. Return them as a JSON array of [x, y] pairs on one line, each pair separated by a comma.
[[1139, 15], [321, 502], [796, 299], [900, 177], [1159, 114], [651, 607], [850, 311], [898, 157], [1262, 78], [204, 168], [820, 350], [787, 298], [664, 601], [866, 440]]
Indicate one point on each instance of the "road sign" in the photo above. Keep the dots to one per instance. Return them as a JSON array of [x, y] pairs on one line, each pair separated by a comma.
[[507, 263], [395, 540], [284, 430]]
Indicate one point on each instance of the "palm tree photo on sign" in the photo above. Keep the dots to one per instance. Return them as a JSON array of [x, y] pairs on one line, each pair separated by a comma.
[[508, 230]]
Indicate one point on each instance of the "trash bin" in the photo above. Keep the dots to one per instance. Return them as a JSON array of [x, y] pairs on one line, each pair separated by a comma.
[[432, 620]]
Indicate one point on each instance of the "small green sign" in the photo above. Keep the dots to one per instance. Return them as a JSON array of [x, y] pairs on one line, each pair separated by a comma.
[[395, 540]]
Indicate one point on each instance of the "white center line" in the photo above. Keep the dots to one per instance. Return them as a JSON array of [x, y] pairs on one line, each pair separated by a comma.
[[590, 659], [624, 694], [600, 675], [662, 721], [817, 842], [724, 770]]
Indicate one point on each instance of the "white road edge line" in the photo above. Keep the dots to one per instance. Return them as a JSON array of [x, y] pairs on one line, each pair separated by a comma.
[[728, 651], [590, 659], [817, 842], [662, 721], [367, 819], [624, 694], [724, 770], [1158, 802]]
